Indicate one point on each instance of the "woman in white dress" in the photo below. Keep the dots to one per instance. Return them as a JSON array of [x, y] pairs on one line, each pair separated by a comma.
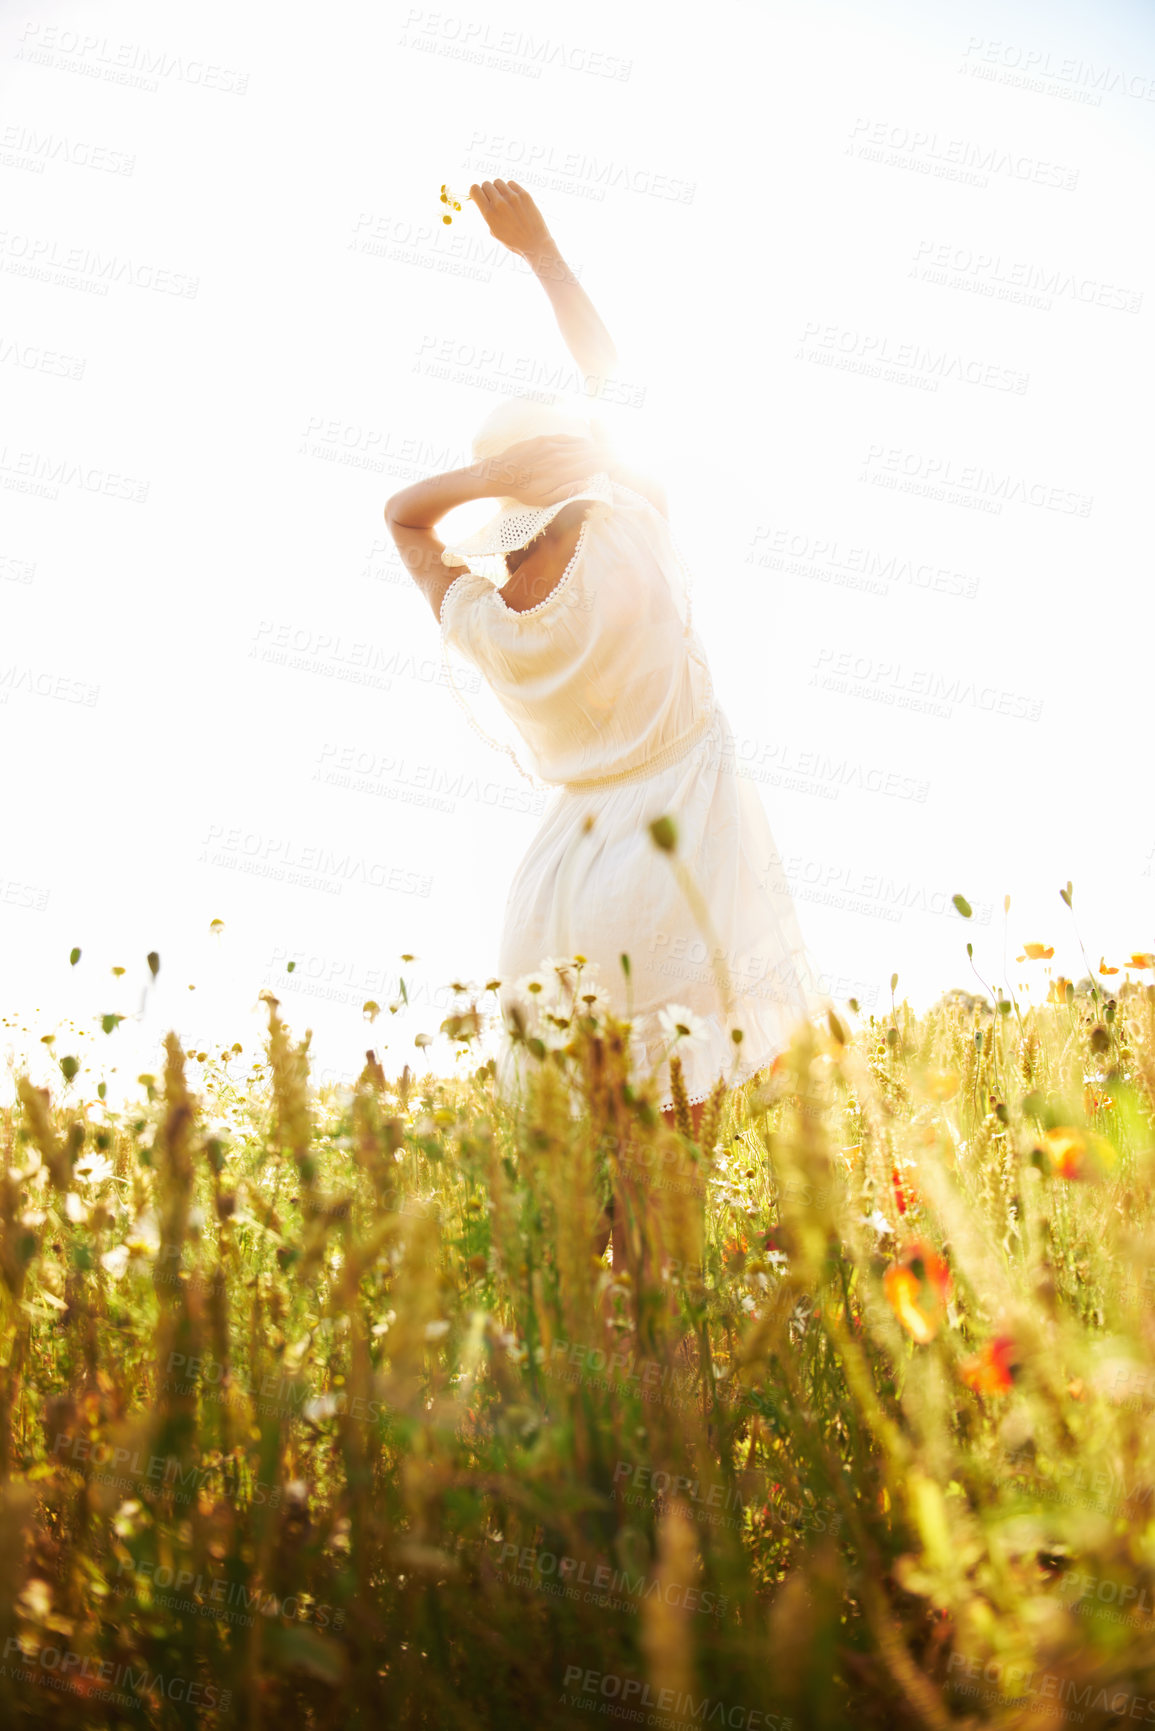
[[590, 650]]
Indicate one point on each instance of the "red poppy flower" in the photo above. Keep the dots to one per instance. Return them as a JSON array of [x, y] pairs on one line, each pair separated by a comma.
[[993, 1368], [917, 1288]]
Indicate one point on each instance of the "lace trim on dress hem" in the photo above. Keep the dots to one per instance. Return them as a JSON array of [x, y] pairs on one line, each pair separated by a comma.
[[525, 612], [691, 1100], [742, 1080]]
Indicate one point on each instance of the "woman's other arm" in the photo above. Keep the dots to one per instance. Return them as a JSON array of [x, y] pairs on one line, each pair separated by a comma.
[[538, 471], [411, 515]]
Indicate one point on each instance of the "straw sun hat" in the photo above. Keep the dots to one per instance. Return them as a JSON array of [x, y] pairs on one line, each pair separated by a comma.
[[516, 524]]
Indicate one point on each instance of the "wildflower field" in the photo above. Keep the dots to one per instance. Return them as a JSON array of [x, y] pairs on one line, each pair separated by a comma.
[[317, 1407]]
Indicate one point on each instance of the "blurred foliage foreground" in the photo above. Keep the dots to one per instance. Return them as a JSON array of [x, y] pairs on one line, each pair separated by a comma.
[[319, 1408]]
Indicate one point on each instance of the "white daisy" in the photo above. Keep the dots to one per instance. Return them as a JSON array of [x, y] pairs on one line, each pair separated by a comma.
[[323, 1406], [93, 1168], [680, 1024], [115, 1261], [592, 999], [146, 1230], [563, 968], [880, 1223], [538, 992], [555, 1032]]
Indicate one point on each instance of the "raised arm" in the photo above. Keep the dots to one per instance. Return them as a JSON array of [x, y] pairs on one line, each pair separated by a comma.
[[514, 219]]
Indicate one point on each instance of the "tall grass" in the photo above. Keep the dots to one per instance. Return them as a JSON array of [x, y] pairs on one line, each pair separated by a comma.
[[316, 1406]]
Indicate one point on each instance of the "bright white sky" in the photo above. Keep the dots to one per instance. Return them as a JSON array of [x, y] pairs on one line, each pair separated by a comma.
[[764, 202]]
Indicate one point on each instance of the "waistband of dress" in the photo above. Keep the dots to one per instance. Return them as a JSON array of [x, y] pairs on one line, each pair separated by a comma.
[[671, 754]]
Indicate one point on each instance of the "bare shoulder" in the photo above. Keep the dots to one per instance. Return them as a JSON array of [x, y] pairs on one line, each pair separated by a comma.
[[535, 571]]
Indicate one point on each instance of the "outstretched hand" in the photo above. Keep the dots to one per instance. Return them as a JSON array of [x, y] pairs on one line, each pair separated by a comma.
[[513, 218], [549, 468]]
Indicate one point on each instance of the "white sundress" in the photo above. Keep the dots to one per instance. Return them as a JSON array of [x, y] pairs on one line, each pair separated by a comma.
[[608, 688]]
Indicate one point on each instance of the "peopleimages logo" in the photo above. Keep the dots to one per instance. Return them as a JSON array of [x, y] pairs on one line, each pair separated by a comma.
[[922, 688], [217, 1596], [801, 553], [1014, 1683], [592, 173], [599, 1582], [24, 147], [130, 1470], [715, 1504], [879, 355], [1017, 280], [44, 252], [634, 1693], [1034, 67], [996, 486], [954, 158], [504, 50], [55, 472], [60, 1668]]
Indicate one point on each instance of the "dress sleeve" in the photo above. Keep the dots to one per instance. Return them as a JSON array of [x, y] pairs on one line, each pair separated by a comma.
[[463, 666]]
